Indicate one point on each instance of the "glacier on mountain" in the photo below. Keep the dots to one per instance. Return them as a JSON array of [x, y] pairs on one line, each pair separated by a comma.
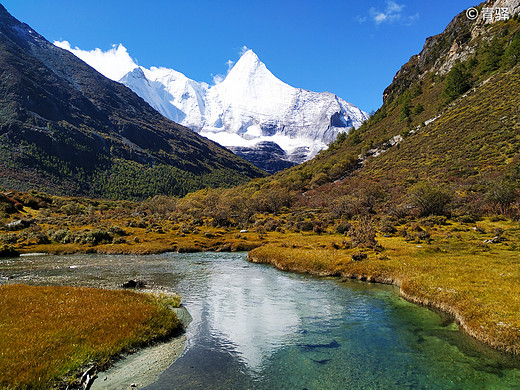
[[248, 108]]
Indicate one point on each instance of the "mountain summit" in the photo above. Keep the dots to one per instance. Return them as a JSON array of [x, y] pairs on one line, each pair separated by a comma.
[[249, 65], [251, 111]]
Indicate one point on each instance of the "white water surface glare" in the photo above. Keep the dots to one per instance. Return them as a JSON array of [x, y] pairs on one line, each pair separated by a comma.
[[255, 327]]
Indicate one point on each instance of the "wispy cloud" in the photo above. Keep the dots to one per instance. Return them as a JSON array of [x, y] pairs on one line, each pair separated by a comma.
[[243, 49], [113, 63], [218, 78], [393, 13]]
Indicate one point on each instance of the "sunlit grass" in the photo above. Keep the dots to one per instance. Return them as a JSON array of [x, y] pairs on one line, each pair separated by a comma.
[[47, 333], [475, 282]]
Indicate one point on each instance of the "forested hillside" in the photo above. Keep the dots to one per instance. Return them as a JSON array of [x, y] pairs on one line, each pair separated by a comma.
[[66, 129]]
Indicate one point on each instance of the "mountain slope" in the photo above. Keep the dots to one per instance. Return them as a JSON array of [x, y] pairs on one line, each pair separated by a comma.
[[66, 128], [248, 108], [468, 140]]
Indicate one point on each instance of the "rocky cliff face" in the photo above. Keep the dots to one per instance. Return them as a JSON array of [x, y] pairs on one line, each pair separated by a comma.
[[455, 44], [266, 155]]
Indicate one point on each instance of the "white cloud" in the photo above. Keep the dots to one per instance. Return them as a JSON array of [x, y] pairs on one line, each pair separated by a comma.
[[113, 63], [218, 78], [243, 49], [379, 17], [230, 64], [392, 13], [393, 7]]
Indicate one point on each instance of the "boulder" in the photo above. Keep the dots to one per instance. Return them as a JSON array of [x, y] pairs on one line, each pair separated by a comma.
[[19, 224], [134, 284]]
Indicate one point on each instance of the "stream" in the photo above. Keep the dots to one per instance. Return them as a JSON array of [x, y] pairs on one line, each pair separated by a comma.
[[255, 327]]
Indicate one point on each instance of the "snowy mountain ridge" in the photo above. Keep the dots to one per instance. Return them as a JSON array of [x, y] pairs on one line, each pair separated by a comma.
[[249, 107]]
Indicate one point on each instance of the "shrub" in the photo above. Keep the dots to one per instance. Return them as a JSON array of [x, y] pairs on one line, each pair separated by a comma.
[[116, 230], [9, 238], [491, 56], [72, 208], [160, 205], [319, 179], [60, 236], [271, 225], [38, 238], [358, 256], [318, 229], [387, 225], [429, 199], [400, 211], [363, 233], [433, 220], [417, 109], [501, 194], [7, 251], [512, 54], [6, 209], [343, 227], [423, 235], [32, 203], [97, 237], [305, 226]]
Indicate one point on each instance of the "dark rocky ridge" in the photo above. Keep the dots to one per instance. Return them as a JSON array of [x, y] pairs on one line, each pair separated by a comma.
[[266, 155]]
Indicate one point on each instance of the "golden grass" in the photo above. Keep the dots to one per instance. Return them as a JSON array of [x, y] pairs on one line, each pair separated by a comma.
[[456, 271], [476, 283], [141, 242], [47, 333]]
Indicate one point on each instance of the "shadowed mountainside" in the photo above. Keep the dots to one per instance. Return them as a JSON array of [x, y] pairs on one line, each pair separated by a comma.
[[67, 129]]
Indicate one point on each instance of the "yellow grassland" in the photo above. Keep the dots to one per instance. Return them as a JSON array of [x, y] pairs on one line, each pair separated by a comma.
[[457, 273], [49, 333]]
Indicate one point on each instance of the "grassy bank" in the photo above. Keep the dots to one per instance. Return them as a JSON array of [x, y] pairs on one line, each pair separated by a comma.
[[456, 272], [51, 333]]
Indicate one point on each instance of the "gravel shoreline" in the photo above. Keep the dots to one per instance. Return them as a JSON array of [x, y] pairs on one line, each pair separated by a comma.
[[144, 367]]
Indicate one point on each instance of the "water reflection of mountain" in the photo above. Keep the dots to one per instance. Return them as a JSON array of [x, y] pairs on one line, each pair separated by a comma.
[[249, 309]]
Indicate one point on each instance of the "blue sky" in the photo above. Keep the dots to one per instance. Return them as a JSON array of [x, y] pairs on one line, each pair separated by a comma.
[[350, 48]]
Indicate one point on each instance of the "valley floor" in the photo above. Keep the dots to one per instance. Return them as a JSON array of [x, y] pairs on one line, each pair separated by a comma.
[[469, 270]]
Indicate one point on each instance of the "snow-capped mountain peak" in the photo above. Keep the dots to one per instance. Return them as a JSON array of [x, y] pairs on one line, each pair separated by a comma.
[[249, 66], [250, 106]]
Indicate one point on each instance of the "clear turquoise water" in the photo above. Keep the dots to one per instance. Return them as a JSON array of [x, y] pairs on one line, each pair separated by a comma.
[[255, 327]]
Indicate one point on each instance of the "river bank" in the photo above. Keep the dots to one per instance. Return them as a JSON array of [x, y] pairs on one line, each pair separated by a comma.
[[60, 335], [469, 270], [482, 299], [143, 367]]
